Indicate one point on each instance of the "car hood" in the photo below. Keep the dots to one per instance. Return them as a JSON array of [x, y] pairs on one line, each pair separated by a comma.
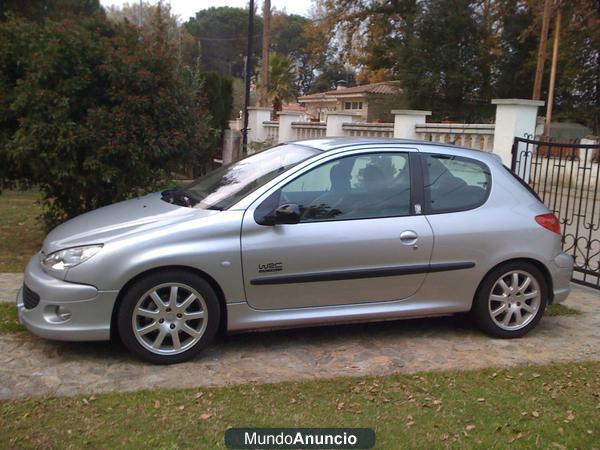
[[120, 219]]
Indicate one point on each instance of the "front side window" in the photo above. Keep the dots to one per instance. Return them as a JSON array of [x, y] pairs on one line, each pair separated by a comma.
[[354, 187], [454, 183]]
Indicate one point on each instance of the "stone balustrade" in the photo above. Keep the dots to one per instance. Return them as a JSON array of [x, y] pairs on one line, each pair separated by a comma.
[[479, 136], [514, 118], [384, 130], [309, 130], [272, 130]]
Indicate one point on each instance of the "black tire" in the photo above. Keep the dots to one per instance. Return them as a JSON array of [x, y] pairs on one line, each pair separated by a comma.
[[481, 310], [142, 286]]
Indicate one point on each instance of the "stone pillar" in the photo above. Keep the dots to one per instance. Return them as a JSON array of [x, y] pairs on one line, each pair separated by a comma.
[[335, 120], [232, 146], [405, 121], [515, 117], [286, 132], [589, 154], [256, 117]]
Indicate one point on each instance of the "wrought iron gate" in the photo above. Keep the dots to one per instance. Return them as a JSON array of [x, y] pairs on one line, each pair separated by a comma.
[[566, 177]]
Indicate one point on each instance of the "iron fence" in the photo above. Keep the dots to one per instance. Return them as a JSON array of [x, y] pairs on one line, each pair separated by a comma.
[[565, 176]]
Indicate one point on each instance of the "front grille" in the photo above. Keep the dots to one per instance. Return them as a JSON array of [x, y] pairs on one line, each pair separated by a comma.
[[30, 298]]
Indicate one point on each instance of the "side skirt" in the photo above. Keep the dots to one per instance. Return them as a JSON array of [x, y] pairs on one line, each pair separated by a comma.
[[241, 316]]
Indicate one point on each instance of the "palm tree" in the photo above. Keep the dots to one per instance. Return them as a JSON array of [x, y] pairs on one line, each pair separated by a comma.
[[281, 81]]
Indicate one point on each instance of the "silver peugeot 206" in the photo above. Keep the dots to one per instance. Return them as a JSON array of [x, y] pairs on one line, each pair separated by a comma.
[[308, 233]]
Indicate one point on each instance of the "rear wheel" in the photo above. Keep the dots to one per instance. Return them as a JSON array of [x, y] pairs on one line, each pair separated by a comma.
[[511, 300], [168, 317]]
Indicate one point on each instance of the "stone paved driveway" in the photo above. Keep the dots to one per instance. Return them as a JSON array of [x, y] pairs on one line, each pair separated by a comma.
[[32, 367]]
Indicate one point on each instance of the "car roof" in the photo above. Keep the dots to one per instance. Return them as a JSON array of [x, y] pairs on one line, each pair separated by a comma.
[[337, 143], [331, 143]]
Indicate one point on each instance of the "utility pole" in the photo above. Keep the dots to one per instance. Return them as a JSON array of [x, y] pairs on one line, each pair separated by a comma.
[[266, 40], [541, 57], [140, 15], [248, 76], [550, 102]]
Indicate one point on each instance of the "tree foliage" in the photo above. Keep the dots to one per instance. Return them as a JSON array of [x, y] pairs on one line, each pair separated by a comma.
[[217, 87], [91, 113], [179, 38], [281, 81], [289, 38], [221, 34], [40, 9], [219, 96], [328, 75], [454, 56], [578, 79]]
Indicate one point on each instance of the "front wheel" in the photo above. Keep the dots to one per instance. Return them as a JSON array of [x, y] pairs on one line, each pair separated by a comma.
[[511, 300], [168, 317]]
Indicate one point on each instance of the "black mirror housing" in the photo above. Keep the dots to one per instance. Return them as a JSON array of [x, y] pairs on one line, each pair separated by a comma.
[[288, 213]]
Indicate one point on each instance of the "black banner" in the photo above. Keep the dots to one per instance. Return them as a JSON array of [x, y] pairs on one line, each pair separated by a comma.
[[299, 438]]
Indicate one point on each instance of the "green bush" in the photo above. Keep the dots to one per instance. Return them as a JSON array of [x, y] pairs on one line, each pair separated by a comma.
[[219, 95], [91, 113]]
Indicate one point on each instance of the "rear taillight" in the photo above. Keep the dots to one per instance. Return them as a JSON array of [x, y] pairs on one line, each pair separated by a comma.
[[549, 222]]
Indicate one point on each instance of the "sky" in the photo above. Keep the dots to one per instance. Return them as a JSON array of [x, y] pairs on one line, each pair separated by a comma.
[[187, 8]]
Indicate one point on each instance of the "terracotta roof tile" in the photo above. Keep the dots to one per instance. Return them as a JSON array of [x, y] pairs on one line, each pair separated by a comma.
[[386, 87]]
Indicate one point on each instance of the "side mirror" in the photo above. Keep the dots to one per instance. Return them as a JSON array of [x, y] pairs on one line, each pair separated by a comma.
[[288, 213]]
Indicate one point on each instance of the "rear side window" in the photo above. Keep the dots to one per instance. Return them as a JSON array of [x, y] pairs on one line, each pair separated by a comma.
[[454, 183]]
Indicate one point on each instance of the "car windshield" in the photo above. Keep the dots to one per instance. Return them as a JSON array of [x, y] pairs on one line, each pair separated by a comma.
[[227, 185]]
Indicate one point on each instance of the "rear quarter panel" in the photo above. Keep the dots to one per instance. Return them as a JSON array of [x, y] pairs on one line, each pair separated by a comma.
[[502, 229]]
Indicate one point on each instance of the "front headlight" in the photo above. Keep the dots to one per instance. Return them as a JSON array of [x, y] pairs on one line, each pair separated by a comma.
[[70, 257]]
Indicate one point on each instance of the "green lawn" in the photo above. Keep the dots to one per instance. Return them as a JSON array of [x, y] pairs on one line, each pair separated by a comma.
[[560, 310], [555, 406], [8, 318], [20, 233]]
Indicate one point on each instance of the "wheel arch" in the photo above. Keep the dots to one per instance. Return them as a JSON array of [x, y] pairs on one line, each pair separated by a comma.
[[114, 332], [538, 265]]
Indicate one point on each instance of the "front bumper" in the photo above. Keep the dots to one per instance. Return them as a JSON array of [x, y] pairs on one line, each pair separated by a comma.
[[561, 270], [88, 310]]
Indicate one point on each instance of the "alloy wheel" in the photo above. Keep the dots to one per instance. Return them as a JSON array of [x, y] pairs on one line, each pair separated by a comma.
[[169, 318], [514, 300]]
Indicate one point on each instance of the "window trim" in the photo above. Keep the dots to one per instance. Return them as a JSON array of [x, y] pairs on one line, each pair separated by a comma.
[[426, 205], [413, 160]]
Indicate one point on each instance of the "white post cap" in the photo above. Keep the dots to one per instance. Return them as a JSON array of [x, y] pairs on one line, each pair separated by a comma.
[[410, 112]]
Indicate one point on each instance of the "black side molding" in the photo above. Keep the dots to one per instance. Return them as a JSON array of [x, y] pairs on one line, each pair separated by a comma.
[[361, 273], [442, 267]]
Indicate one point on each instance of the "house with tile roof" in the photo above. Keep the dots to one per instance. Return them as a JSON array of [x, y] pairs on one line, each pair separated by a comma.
[[367, 102]]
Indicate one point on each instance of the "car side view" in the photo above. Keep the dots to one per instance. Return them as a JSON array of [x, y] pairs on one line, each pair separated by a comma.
[[308, 233]]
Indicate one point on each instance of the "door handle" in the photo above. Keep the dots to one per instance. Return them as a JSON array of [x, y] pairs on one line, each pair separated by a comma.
[[408, 237]]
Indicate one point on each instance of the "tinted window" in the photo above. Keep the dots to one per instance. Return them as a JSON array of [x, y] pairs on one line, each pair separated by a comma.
[[454, 183], [354, 187]]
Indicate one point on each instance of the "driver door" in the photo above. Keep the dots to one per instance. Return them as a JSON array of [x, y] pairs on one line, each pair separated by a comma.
[[358, 239]]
